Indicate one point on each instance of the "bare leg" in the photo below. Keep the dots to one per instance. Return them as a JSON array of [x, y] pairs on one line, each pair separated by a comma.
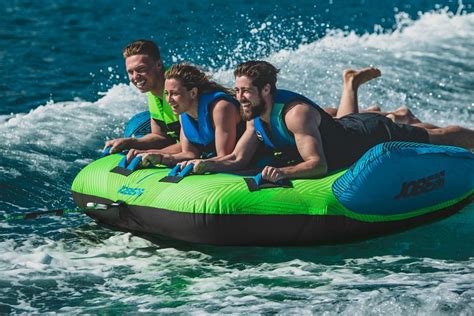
[[453, 136], [403, 115], [353, 79]]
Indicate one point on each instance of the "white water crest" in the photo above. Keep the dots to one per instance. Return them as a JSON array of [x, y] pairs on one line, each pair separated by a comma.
[[127, 271], [426, 65], [71, 125]]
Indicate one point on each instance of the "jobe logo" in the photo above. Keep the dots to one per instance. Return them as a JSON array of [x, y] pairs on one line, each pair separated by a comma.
[[130, 191], [423, 185], [259, 136]]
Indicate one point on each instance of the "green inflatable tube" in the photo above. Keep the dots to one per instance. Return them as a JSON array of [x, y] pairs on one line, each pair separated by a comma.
[[393, 187]]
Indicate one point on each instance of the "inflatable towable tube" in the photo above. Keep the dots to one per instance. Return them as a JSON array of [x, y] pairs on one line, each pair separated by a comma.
[[394, 186]]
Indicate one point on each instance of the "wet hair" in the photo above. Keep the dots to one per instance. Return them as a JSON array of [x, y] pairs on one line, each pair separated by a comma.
[[261, 73], [192, 77], [142, 47]]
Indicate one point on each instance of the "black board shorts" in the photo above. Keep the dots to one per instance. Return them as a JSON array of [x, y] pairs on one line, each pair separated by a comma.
[[361, 131], [377, 126]]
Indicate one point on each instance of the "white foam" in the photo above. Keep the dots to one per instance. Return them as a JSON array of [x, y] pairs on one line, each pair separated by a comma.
[[123, 268], [43, 140], [423, 62], [61, 125]]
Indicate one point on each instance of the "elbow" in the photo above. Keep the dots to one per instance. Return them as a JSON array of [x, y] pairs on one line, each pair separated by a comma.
[[239, 161], [190, 155], [233, 162], [233, 157], [318, 167]]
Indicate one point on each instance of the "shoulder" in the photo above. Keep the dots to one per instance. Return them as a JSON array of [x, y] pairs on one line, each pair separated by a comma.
[[223, 106], [223, 103], [299, 114]]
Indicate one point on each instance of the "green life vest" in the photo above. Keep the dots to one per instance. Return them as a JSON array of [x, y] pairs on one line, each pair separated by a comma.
[[161, 113]]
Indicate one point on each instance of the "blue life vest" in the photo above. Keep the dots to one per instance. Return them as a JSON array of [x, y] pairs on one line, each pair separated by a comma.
[[201, 132], [279, 137]]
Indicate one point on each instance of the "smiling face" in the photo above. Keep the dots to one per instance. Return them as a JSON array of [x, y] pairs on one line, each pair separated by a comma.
[[143, 72], [251, 100], [180, 98]]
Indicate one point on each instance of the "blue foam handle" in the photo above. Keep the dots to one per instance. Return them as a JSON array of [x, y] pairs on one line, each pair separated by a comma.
[[187, 170], [174, 171], [133, 165], [106, 151], [258, 179], [123, 162]]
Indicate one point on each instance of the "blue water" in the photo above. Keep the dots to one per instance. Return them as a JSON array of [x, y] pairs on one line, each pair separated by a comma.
[[64, 92]]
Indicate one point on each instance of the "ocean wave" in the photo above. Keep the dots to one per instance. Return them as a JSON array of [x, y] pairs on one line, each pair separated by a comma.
[[426, 65], [88, 276]]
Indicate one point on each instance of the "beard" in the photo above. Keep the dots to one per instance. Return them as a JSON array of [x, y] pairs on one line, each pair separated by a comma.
[[253, 111]]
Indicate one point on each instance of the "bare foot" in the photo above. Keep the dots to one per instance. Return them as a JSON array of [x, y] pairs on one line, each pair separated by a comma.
[[358, 77]]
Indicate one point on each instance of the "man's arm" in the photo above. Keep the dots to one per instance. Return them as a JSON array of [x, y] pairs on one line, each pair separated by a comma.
[[161, 156], [154, 140], [237, 160], [225, 117], [188, 151], [303, 121]]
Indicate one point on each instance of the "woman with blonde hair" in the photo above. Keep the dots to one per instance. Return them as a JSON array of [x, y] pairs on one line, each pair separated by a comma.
[[209, 116]]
